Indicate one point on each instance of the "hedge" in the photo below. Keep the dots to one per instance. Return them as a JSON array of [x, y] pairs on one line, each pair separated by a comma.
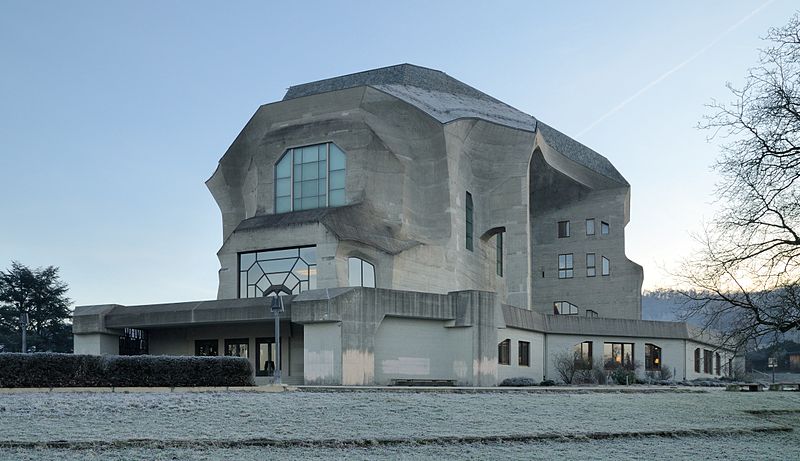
[[70, 370]]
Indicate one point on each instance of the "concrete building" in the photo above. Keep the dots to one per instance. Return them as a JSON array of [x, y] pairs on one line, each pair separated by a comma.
[[416, 228]]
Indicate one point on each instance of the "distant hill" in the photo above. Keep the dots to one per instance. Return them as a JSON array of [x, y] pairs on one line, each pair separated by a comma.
[[662, 305]]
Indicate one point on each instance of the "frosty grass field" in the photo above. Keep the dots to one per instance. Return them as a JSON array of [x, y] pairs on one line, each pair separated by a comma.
[[392, 425]]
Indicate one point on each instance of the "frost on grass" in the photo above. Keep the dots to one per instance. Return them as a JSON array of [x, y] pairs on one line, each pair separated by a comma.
[[356, 415]]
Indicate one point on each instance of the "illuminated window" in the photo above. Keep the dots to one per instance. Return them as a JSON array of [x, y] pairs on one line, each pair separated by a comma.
[[361, 273], [310, 177], [652, 357], [618, 355], [272, 272]]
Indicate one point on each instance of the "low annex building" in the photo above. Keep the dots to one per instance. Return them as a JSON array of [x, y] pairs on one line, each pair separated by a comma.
[[416, 228]]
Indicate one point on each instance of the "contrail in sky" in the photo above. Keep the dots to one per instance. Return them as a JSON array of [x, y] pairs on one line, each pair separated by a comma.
[[674, 69]]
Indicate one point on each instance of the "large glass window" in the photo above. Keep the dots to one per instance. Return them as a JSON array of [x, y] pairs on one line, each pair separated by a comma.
[[652, 357], [564, 308], [361, 273], [271, 272], [237, 347], [469, 220], [206, 347], [565, 266], [504, 352], [310, 177], [583, 356], [618, 354]]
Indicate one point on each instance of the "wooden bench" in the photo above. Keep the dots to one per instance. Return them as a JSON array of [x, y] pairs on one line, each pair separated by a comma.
[[424, 382], [747, 387], [791, 387]]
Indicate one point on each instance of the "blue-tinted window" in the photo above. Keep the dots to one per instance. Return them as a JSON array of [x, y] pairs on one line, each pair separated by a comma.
[[310, 177]]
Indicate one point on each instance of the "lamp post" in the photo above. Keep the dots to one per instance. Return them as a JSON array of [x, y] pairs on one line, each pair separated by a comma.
[[23, 325], [277, 308]]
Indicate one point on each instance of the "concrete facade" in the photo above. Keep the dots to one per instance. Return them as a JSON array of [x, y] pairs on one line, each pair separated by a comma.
[[426, 160]]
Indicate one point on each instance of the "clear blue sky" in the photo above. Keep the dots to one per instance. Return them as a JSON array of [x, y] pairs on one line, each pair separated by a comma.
[[113, 114]]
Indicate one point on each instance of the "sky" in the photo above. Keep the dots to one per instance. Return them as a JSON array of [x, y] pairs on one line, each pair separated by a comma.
[[113, 114]]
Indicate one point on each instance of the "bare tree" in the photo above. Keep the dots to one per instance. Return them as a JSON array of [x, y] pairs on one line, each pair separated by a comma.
[[746, 276], [564, 364]]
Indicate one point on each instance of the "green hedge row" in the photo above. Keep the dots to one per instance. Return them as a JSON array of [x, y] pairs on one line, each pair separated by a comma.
[[69, 370]]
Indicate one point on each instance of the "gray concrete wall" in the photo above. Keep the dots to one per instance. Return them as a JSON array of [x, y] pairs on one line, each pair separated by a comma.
[[96, 344], [407, 348], [535, 370], [322, 353]]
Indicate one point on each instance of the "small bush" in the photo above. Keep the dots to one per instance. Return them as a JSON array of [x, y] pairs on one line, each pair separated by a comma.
[[564, 364], [518, 382], [547, 382], [69, 370]]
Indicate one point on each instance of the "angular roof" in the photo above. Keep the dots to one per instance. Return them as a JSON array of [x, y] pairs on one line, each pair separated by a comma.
[[447, 99]]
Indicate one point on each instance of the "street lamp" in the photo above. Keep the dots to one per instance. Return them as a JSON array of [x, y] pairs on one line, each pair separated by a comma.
[[277, 308]]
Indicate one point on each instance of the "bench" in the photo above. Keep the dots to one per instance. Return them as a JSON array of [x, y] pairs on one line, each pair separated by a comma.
[[424, 382], [791, 387], [746, 387]]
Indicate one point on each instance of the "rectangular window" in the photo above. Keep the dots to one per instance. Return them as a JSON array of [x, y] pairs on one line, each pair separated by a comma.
[[591, 265], [618, 355], [590, 226], [606, 266], [504, 352], [524, 354], [563, 229], [237, 347], [499, 247], [697, 360], [469, 217], [265, 357], [206, 347], [603, 227], [565, 266], [707, 357], [583, 356], [652, 357]]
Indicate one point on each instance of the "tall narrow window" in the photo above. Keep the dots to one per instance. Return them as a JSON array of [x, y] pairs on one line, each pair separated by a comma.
[[591, 267], [697, 360], [469, 217], [652, 357], [606, 266], [265, 356], [563, 229], [583, 356], [565, 266], [361, 273], [590, 226], [310, 177], [718, 363], [603, 227], [504, 352], [707, 358], [499, 238], [524, 359]]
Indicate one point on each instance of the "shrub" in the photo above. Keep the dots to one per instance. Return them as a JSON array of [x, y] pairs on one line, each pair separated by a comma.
[[564, 364], [68, 370], [547, 382], [518, 382]]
